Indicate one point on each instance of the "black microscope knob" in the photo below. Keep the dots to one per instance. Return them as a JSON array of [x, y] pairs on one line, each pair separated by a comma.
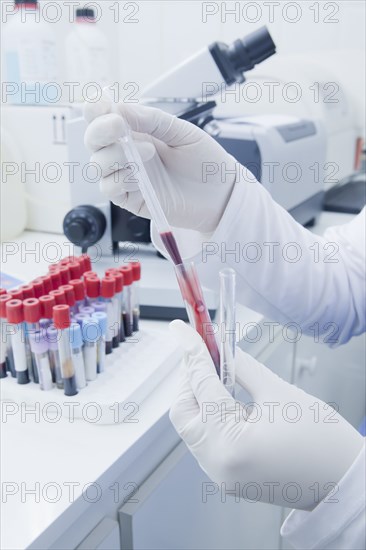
[[84, 225]]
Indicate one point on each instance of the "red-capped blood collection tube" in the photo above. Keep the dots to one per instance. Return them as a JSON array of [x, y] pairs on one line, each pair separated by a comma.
[[107, 292], [15, 317], [59, 297], [85, 259], [70, 297], [91, 334], [52, 336], [55, 279], [5, 337], [127, 298], [32, 316], [92, 288], [75, 270], [16, 294], [118, 277], [136, 271], [47, 283], [38, 287], [65, 274], [46, 304], [62, 321], [28, 291], [79, 291]]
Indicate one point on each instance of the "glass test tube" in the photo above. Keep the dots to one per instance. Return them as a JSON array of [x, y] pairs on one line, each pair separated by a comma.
[[5, 337], [61, 319], [107, 293], [54, 356], [76, 341], [196, 308], [118, 302], [136, 271], [32, 315], [227, 329], [91, 334], [127, 299], [39, 347], [15, 316], [101, 318], [79, 291]]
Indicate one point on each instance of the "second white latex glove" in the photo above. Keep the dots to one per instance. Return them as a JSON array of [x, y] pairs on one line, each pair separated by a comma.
[[290, 450], [192, 174]]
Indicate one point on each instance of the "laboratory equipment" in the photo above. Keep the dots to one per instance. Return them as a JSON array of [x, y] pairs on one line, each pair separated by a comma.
[[74, 268], [61, 319], [107, 292], [118, 302], [47, 283], [76, 341], [91, 334], [136, 271], [15, 317], [127, 305], [227, 329], [101, 318], [38, 287], [92, 286], [59, 296], [80, 317], [52, 336], [39, 347], [87, 310]]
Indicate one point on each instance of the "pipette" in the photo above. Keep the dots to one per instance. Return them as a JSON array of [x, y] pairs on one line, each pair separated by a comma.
[[186, 274], [227, 329]]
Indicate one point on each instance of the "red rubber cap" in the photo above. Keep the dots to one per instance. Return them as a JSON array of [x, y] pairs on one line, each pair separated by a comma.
[[90, 274], [3, 299], [75, 270], [108, 287], [85, 258], [127, 274], [32, 310], [113, 272], [61, 316], [2, 291], [69, 294], [92, 285], [67, 260], [53, 267], [28, 291], [46, 304], [59, 296], [79, 289], [136, 270], [47, 283], [38, 287], [14, 311], [55, 279], [65, 274], [16, 294]]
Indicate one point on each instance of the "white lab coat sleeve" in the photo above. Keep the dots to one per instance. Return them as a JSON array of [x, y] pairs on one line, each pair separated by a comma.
[[315, 284], [338, 521]]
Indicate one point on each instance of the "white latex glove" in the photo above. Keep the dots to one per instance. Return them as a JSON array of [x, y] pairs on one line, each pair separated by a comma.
[[175, 155], [311, 455]]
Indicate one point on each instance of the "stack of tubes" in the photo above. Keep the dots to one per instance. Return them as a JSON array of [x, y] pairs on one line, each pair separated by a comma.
[[57, 330]]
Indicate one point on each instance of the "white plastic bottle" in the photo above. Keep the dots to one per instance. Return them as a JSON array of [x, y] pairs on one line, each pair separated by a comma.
[[28, 56], [87, 56]]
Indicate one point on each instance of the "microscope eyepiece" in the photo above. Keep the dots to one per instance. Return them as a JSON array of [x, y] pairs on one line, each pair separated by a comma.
[[242, 55]]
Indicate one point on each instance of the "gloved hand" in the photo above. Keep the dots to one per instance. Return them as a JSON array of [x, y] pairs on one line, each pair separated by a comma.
[[291, 448], [176, 154]]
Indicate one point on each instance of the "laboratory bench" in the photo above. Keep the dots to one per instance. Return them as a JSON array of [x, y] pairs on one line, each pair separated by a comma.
[[70, 483]]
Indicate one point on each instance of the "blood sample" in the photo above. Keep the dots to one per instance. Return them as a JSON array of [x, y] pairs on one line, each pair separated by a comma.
[[107, 293], [4, 334], [61, 319], [32, 316], [127, 298], [116, 301], [54, 356], [136, 271], [118, 276], [15, 316]]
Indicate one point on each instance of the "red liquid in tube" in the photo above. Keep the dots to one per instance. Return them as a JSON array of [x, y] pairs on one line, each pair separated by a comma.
[[191, 292]]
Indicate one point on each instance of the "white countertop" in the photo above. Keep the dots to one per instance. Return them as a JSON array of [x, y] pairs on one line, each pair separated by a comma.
[[80, 452]]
